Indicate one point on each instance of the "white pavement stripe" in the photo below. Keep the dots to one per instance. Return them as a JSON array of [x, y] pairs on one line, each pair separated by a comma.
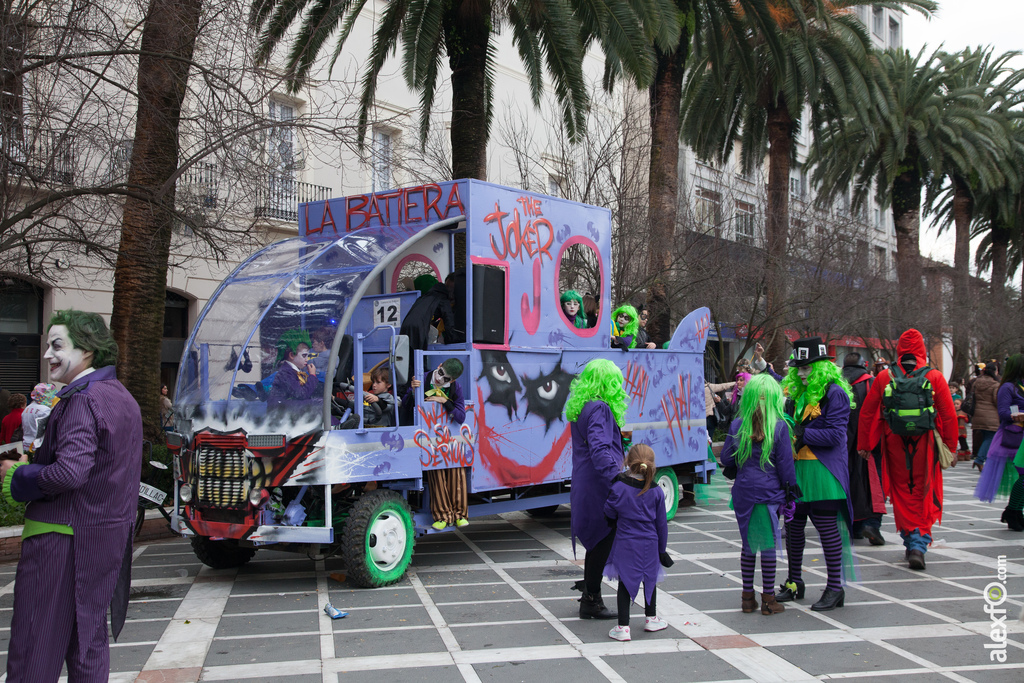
[[763, 665], [451, 643], [187, 639], [326, 623], [240, 672]]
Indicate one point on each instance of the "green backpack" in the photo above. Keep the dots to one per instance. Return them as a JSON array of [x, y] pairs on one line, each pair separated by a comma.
[[907, 402]]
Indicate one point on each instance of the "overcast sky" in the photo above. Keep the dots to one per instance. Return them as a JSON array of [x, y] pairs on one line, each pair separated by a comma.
[[956, 25]]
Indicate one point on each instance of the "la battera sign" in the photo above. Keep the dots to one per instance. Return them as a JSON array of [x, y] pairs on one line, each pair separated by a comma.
[[422, 204]]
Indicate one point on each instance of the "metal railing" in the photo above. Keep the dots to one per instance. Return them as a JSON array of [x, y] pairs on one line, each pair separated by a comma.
[[38, 154], [200, 185], [281, 197]]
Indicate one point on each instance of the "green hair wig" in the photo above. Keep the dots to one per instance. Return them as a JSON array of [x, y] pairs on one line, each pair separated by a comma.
[[632, 327], [762, 394], [290, 341], [453, 368], [88, 332], [1013, 370], [424, 283], [581, 318], [601, 380], [823, 373]]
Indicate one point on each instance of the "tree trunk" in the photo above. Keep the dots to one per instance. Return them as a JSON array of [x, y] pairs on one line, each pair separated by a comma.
[[780, 152], [906, 216], [467, 34], [1000, 248], [963, 210], [663, 183], [140, 275]]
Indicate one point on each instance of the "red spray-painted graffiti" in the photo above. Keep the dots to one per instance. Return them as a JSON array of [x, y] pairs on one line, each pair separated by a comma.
[[677, 409], [531, 316], [637, 383], [439, 446], [507, 471], [702, 324], [532, 238]]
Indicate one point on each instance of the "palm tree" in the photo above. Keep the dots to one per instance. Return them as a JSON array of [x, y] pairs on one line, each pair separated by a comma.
[[914, 118], [550, 35], [824, 66], [981, 162]]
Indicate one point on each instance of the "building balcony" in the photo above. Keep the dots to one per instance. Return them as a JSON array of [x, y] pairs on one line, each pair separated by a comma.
[[281, 197], [39, 155]]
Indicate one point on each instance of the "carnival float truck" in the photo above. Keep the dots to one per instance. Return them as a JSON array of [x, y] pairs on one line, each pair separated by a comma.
[[248, 476]]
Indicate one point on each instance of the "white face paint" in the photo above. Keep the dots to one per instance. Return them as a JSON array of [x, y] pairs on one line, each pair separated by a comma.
[[803, 373], [571, 308], [66, 362]]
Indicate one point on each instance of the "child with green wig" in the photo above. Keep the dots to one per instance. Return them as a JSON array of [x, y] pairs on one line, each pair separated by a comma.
[[572, 307], [822, 400], [759, 455], [295, 379], [625, 323]]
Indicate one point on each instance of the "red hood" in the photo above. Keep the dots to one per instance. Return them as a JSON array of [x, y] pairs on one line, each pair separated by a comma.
[[911, 341]]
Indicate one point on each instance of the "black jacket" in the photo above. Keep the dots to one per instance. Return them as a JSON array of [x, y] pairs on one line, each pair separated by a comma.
[[433, 304]]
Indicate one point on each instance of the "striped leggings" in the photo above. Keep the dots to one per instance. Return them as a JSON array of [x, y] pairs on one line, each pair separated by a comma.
[[767, 571], [826, 522]]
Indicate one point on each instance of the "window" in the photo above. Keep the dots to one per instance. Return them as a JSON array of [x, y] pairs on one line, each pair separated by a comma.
[[281, 200], [881, 263], [555, 186], [708, 210], [382, 172], [878, 219], [797, 184], [120, 160], [843, 203], [11, 80], [894, 34], [744, 222], [878, 22]]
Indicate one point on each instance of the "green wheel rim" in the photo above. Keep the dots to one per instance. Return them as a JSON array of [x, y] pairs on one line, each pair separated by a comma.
[[389, 542], [666, 480]]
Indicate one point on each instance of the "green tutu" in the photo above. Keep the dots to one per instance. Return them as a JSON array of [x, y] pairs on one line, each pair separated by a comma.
[[816, 482], [1018, 460], [760, 534], [1009, 476]]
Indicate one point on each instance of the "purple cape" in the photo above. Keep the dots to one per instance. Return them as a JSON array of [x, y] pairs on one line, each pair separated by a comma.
[[641, 535], [826, 435]]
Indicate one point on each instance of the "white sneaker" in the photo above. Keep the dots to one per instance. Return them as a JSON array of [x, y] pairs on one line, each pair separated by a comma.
[[655, 624], [620, 633]]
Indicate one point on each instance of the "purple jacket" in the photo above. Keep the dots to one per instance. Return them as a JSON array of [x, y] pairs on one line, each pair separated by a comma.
[[86, 475], [455, 406], [754, 485], [596, 461], [287, 387], [1006, 396], [641, 534], [826, 435]]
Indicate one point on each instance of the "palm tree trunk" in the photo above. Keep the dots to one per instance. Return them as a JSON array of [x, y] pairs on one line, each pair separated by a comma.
[[780, 152], [466, 38], [663, 182], [1000, 248], [906, 216], [963, 209], [140, 274]]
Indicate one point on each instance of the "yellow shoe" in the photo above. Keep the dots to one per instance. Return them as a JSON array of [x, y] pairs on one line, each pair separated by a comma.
[[439, 524], [461, 522]]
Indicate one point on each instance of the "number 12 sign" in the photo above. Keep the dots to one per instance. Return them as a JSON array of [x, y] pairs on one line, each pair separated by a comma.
[[387, 312]]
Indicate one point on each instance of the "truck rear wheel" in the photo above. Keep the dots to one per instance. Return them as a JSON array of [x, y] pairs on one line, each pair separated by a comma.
[[221, 554], [666, 480], [378, 539]]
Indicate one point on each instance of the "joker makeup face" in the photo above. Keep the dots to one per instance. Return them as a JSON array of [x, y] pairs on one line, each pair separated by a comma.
[[803, 373], [571, 308], [622, 319], [66, 362]]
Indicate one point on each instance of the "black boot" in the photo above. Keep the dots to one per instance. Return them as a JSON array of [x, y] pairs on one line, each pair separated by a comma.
[[592, 607], [1014, 519], [873, 535], [789, 591], [830, 599], [915, 559]]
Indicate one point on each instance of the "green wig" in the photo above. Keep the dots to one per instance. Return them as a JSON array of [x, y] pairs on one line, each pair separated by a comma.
[[424, 283], [632, 327], [823, 373], [453, 368], [581, 318], [88, 332], [763, 395], [290, 341], [601, 380]]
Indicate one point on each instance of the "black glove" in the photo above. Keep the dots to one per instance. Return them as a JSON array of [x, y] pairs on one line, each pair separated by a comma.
[[793, 492], [798, 445], [612, 522], [729, 472], [666, 561], [797, 430]]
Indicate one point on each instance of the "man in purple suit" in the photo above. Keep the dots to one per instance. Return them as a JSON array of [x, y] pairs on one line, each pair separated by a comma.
[[82, 493]]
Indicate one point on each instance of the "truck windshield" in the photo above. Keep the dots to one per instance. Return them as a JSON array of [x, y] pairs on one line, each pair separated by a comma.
[[278, 311]]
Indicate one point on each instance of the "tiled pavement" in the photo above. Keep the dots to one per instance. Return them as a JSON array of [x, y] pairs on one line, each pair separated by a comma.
[[493, 603]]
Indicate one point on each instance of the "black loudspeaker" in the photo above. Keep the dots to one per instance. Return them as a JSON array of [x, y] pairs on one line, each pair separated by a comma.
[[488, 304]]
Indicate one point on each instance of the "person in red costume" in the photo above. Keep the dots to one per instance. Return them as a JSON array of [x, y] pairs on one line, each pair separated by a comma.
[[911, 475]]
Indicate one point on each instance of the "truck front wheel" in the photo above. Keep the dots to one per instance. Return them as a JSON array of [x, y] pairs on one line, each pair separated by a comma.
[[221, 554], [665, 478], [378, 539]]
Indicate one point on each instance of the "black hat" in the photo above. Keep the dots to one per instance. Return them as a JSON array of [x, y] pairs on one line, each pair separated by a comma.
[[807, 351]]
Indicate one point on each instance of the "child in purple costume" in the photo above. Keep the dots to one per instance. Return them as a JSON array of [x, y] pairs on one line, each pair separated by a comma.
[[296, 376], [640, 547], [1004, 450], [758, 454]]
